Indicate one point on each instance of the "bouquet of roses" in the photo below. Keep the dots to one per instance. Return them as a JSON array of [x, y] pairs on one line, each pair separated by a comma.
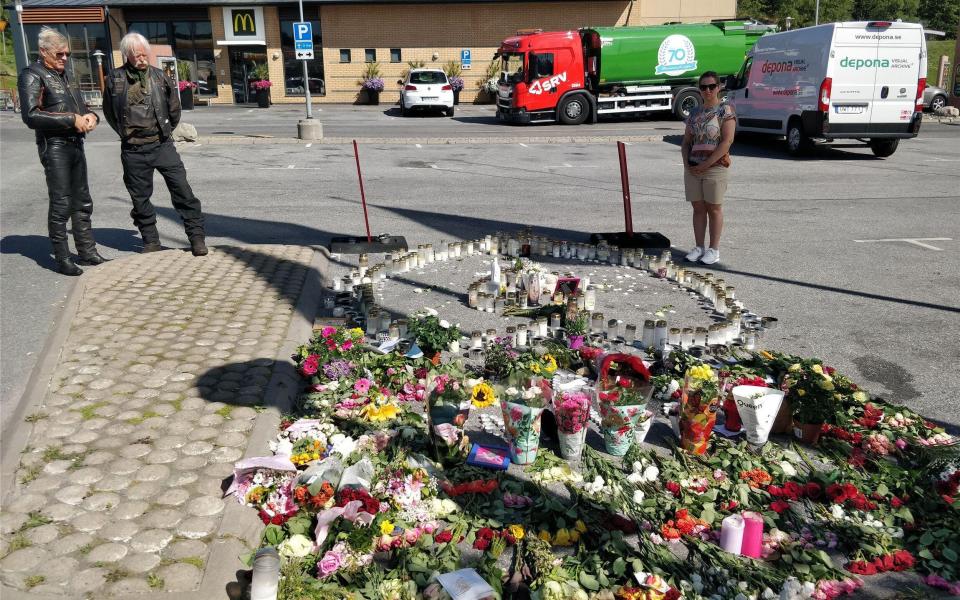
[[572, 410], [329, 344]]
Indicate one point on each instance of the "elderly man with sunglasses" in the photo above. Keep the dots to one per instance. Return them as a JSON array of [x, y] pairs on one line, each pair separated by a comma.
[[143, 106], [53, 107]]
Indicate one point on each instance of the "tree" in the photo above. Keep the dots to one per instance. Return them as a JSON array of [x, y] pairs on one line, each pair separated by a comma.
[[941, 15], [885, 10], [803, 11]]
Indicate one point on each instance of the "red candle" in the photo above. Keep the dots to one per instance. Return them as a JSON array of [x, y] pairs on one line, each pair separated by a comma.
[[752, 534]]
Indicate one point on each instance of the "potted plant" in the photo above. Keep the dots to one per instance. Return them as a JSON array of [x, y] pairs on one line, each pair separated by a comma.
[[432, 334], [623, 389], [261, 84], [522, 407], [454, 71], [372, 83], [811, 390], [489, 84], [185, 86]]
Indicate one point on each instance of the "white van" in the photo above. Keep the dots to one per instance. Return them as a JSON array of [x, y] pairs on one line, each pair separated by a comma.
[[861, 80]]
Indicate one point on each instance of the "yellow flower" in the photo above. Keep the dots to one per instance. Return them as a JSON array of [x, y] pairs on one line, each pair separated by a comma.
[[544, 535], [580, 526], [517, 532], [562, 538], [574, 536], [551, 365], [801, 392], [356, 333], [817, 369], [385, 412], [794, 368], [535, 367], [482, 395], [386, 528], [701, 372], [766, 355]]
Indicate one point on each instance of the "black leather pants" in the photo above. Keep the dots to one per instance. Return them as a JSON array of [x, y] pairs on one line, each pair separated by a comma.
[[139, 163], [65, 167]]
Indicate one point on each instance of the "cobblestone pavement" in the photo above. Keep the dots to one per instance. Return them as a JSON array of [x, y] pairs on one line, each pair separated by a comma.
[[119, 489]]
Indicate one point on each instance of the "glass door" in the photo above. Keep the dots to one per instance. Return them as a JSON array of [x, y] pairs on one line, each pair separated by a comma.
[[243, 61]]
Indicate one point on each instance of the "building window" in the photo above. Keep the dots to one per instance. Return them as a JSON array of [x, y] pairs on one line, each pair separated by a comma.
[[395, 55], [293, 68], [370, 55], [83, 39], [192, 43], [344, 55]]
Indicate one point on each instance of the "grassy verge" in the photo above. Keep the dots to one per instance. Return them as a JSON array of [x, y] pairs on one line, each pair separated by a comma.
[[936, 49]]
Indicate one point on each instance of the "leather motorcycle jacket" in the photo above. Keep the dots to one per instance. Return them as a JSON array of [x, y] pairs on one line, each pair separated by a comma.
[[163, 96], [49, 103]]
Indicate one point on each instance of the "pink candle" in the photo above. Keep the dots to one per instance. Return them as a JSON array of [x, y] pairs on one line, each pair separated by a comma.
[[752, 534]]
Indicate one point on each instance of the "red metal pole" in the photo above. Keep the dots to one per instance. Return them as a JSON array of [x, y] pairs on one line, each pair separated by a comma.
[[363, 197], [625, 184]]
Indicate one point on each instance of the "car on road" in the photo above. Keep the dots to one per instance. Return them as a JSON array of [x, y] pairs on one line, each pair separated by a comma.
[[428, 89], [934, 98]]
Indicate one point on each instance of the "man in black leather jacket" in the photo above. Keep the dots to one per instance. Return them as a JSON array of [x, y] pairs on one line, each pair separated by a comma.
[[52, 106], [143, 106]]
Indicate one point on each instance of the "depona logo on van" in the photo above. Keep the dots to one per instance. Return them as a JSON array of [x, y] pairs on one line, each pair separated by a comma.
[[864, 63]]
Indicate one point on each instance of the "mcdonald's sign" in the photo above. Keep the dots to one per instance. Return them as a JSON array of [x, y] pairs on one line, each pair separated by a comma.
[[244, 22]]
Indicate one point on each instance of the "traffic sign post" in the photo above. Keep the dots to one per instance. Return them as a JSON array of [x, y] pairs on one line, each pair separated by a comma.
[[300, 29], [303, 40]]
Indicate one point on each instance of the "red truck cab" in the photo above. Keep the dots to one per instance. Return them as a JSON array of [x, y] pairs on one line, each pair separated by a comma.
[[543, 72]]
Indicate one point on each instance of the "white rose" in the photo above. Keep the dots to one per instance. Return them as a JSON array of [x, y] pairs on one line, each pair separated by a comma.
[[651, 473], [638, 497], [295, 546], [444, 323]]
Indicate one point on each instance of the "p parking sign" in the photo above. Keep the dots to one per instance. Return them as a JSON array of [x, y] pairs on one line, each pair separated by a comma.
[[303, 40], [465, 58]]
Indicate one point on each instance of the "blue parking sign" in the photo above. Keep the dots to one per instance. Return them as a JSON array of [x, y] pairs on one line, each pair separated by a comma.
[[465, 58], [303, 40]]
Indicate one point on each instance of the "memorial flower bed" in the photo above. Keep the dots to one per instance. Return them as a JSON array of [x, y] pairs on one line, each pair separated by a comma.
[[375, 489]]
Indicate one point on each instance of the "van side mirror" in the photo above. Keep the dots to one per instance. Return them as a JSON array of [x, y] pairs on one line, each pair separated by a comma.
[[731, 82]]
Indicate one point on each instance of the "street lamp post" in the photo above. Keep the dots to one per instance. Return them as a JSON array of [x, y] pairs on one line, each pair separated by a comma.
[[98, 54], [23, 34], [816, 14]]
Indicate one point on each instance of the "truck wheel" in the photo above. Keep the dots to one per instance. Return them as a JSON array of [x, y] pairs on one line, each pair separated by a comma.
[[884, 148], [798, 143], [574, 110], [685, 103]]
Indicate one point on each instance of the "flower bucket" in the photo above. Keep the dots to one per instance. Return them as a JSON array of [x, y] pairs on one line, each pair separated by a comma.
[[784, 421], [522, 424], [758, 407], [643, 427], [618, 424], [808, 433], [698, 415], [571, 444]]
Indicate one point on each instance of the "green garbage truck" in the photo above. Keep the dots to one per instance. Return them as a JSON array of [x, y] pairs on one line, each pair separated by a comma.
[[575, 76]]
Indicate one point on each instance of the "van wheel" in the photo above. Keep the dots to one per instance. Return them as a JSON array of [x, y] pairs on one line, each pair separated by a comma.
[[574, 110], [884, 148], [685, 103], [798, 142]]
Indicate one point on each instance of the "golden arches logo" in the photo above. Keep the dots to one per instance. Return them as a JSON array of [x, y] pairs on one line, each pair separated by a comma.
[[244, 22]]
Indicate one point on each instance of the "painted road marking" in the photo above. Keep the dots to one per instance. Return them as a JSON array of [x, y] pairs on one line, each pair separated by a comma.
[[433, 166], [419, 146], [914, 241], [525, 146], [938, 159], [290, 167], [310, 144]]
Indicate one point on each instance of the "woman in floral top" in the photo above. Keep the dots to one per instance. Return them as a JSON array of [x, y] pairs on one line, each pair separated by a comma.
[[706, 160]]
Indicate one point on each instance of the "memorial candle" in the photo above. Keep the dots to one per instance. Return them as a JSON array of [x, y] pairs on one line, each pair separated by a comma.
[[752, 534], [731, 534]]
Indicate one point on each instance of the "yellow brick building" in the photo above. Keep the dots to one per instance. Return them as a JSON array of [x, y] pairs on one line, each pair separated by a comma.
[[224, 43]]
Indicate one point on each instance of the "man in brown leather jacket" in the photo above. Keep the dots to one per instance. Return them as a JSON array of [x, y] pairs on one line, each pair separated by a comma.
[[143, 106], [52, 106]]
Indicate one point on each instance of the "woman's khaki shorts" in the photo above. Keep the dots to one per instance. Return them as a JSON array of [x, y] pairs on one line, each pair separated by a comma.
[[709, 187]]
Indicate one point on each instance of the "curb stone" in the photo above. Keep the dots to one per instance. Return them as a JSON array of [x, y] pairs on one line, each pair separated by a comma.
[[432, 141]]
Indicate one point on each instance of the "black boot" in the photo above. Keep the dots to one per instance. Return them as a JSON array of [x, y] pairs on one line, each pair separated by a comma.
[[151, 248], [67, 267], [151, 239], [198, 245], [91, 258]]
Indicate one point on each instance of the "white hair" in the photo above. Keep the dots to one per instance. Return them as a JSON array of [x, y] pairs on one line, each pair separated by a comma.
[[50, 39], [131, 41]]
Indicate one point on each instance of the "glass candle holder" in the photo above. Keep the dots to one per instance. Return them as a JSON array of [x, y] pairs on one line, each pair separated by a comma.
[[511, 335], [673, 336], [648, 337], [476, 339], [555, 320], [402, 324], [613, 329], [660, 334], [590, 298], [542, 327], [394, 331], [596, 323], [629, 334], [373, 322], [521, 336], [491, 336], [266, 574], [491, 303], [700, 336], [473, 293]]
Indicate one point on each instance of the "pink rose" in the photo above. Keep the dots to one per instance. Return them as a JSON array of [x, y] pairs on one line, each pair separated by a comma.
[[330, 562], [411, 535], [328, 331], [346, 345], [901, 443]]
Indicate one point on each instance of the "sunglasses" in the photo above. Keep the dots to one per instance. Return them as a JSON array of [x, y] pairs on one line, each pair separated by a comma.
[[62, 54], [709, 86]]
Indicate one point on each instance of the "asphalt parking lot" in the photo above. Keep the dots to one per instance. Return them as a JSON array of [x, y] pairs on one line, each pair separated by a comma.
[[855, 255]]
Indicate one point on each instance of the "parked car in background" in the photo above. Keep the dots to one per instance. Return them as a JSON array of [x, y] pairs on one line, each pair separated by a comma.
[[426, 88], [934, 98]]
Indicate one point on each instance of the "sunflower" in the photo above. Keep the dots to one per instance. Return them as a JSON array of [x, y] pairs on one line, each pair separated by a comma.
[[482, 395]]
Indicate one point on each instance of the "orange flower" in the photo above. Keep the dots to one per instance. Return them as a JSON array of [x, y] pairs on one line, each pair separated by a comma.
[[756, 478]]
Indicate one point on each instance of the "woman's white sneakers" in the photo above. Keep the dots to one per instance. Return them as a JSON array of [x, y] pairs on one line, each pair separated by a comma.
[[710, 257], [695, 254]]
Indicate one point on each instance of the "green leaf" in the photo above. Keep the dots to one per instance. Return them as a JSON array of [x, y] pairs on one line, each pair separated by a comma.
[[602, 579], [925, 553], [882, 489], [708, 513], [588, 581], [619, 567], [273, 535], [926, 539], [801, 568], [949, 554]]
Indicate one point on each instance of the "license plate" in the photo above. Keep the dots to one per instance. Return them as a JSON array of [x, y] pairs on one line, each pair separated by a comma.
[[849, 110], [429, 98]]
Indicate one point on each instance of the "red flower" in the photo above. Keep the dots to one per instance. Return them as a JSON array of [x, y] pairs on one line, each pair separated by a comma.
[[778, 506], [887, 562], [481, 544], [485, 533], [903, 559], [862, 567], [674, 488], [812, 490], [731, 505], [443, 537], [672, 594], [857, 457], [792, 490], [775, 490]]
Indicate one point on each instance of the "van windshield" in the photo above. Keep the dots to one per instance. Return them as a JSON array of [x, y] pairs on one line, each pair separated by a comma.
[[427, 77], [513, 67]]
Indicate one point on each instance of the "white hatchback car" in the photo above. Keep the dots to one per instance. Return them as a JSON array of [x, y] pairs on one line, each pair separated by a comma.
[[426, 88]]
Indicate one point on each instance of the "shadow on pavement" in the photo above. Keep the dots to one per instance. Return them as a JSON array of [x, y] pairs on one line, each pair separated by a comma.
[[34, 247]]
